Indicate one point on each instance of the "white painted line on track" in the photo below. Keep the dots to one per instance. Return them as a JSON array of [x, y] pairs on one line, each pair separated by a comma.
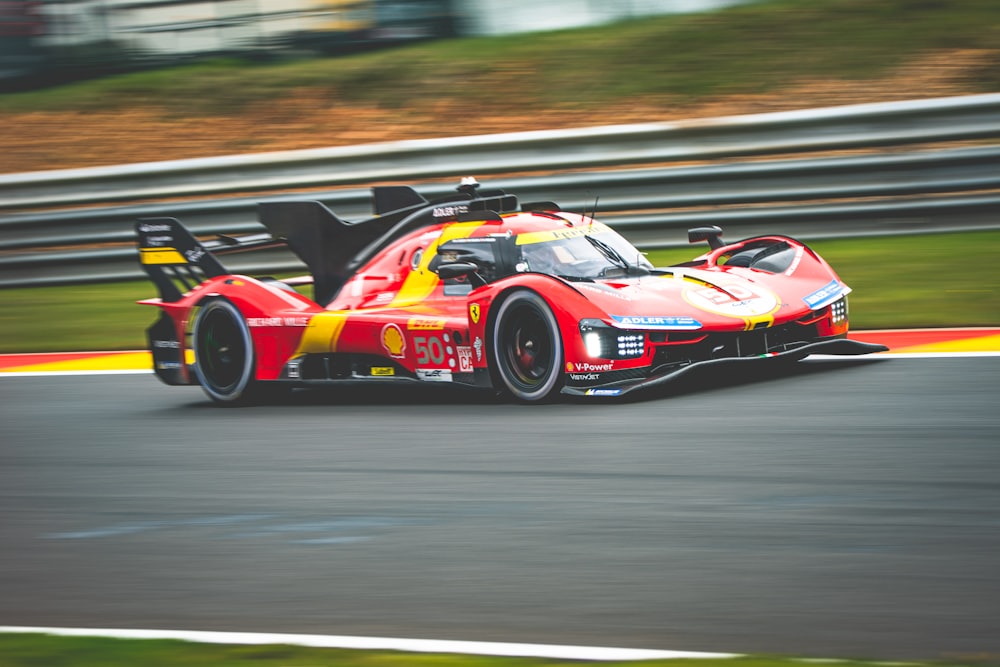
[[381, 644]]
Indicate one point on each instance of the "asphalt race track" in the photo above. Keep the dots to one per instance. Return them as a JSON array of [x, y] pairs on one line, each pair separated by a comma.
[[845, 508]]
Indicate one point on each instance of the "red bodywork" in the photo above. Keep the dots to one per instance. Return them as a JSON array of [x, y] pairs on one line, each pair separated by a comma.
[[394, 317]]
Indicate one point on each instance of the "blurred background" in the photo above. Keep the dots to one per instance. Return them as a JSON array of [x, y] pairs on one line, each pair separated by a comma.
[[45, 41]]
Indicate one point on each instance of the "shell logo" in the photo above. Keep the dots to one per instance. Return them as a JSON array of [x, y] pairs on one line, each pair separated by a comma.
[[393, 341]]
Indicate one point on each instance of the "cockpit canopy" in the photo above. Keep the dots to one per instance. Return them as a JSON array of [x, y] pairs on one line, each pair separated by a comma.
[[571, 253]]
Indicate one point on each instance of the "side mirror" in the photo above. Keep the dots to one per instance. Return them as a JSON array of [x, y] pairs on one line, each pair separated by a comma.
[[711, 234], [451, 270]]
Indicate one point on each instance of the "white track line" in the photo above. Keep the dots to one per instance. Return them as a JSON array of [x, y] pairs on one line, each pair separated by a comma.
[[381, 644]]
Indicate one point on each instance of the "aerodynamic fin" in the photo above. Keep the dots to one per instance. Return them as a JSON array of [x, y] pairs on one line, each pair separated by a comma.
[[389, 198], [320, 239], [173, 258]]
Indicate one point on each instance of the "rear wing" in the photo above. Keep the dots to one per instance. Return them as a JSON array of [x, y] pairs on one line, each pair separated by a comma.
[[172, 257], [332, 248]]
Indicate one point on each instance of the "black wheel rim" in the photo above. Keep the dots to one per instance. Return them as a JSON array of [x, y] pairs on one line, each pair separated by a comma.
[[528, 347], [221, 350]]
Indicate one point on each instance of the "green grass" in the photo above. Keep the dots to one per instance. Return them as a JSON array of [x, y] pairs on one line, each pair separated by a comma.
[[669, 59], [933, 280], [24, 650]]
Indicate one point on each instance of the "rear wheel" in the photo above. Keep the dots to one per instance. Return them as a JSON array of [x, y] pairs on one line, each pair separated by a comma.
[[527, 347], [224, 353]]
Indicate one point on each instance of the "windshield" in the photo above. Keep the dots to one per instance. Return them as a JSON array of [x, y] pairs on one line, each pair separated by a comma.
[[583, 256]]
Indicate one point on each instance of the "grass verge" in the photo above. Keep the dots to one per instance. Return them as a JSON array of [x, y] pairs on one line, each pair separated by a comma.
[[21, 650], [931, 280]]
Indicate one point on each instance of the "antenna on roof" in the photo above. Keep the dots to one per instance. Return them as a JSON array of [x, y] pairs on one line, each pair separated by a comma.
[[593, 213]]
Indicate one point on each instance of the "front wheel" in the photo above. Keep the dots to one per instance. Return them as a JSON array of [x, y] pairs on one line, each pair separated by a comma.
[[527, 347], [224, 353]]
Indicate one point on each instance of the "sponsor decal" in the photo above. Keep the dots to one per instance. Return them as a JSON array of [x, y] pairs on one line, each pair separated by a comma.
[[392, 341], [477, 239], [464, 358], [541, 237], [585, 377], [449, 211], [434, 374], [425, 324], [475, 312], [668, 322], [167, 344], [477, 345], [826, 295], [734, 300], [161, 256], [586, 367], [159, 240], [603, 289], [168, 365], [260, 322], [383, 371], [383, 298], [147, 228], [604, 392], [194, 254]]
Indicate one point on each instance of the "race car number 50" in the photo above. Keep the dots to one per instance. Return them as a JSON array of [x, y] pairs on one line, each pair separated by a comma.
[[429, 349]]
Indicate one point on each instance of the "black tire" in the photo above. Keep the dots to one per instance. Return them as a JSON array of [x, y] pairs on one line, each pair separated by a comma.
[[224, 353], [527, 347]]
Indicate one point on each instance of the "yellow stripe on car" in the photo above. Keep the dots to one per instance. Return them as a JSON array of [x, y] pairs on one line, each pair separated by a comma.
[[161, 256], [420, 283], [323, 332], [556, 234]]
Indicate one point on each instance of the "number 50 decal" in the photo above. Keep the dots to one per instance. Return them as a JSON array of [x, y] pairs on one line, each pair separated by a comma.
[[429, 349]]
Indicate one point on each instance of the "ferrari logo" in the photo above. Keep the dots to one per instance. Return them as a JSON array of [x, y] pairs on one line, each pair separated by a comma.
[[474, 312]]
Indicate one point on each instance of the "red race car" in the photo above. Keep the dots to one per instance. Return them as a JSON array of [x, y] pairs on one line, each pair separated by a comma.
[[478, 290]]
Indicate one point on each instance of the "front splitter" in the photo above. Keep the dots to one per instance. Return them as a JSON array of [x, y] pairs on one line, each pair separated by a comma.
[[837, 346]]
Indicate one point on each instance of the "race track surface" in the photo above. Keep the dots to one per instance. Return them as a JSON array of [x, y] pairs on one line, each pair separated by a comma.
[[844, 508]]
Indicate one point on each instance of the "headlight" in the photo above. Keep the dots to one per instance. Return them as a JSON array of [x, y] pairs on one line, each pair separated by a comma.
[[604, 342], [592, 341], [838, 311]]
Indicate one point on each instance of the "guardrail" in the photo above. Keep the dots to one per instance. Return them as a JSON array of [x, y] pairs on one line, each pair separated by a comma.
[[862, 194]]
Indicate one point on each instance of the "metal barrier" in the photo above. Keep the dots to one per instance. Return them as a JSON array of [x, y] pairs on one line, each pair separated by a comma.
[[863, 194]]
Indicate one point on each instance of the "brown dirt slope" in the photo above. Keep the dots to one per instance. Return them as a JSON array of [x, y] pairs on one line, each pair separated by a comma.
[[53, 140]]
